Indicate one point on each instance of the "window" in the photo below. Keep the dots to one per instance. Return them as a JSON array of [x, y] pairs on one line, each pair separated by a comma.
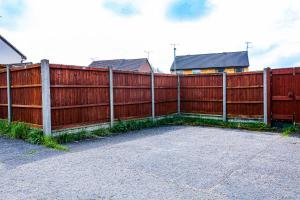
[[196, 71], [238, 69], [220, 70]]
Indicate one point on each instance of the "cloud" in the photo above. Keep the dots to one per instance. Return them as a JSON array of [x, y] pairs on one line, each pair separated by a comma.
[[264, 51], [11, 11], [287, 61], [120, 8], [187, 9], [74, 31]]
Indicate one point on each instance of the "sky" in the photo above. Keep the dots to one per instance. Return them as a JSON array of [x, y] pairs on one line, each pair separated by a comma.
[[79, 31]]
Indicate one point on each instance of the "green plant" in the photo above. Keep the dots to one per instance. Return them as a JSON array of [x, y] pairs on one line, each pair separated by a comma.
[[4, 127], [119, 127], [290, 130], [51, 143], [102, 132], [35, 136], [66, 138], [18, 130]]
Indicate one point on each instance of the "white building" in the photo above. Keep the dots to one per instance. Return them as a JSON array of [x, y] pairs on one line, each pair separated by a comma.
[[9, 54]]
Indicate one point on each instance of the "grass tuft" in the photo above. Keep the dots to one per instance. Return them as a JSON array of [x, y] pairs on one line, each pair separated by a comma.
[[51, 143], [35, 136], [22, 131], [287, 131]]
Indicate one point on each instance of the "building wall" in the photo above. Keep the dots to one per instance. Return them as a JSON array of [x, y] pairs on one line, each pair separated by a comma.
[[145, 68], [8, 55], [188, 72], [212, 70], [207, 71]]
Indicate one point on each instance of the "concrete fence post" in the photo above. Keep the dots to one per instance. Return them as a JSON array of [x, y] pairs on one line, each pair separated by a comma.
[[111, 96], [178, 94], [266, 95], [9, 101], [224, 96], [152, 94], [46, 97]]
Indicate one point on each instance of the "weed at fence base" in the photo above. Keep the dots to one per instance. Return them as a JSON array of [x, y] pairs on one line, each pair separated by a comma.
[[132, 125], [35, 136], [22, 131]]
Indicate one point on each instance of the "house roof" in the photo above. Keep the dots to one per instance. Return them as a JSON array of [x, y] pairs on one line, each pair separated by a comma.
[[215, 60], [121, 64], [13, 47]]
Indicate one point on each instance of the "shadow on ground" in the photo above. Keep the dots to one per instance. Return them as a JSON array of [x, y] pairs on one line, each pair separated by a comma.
[[14, 153]]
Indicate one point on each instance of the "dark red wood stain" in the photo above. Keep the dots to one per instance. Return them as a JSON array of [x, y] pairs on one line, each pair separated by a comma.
[[25, 94], [80, 95], [245, 95]]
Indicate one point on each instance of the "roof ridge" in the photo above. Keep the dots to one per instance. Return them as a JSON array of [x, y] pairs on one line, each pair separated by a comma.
[[120, 59], [202, 61], [227, 52], [13, 47]]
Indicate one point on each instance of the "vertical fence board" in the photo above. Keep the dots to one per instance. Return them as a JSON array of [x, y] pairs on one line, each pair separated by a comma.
[[132, 95], [202, 94], [3, 94], [25, 94], [165, 94], [245, 95], [79, 96]]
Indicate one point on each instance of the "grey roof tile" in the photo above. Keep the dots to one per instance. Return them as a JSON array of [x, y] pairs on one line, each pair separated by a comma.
[[121, 64], [216, 60]]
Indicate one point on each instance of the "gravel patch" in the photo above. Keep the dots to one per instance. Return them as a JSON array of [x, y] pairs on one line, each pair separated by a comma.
[[178, 162]]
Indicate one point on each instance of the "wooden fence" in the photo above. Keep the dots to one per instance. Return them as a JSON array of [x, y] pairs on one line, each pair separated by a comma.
[[78, 96], [25, 95], [202, 94], [132, 95], [87, 96], [245, 95], [166, 91]]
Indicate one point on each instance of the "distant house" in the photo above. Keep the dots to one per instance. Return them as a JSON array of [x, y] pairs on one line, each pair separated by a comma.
[[136, 65], [229, 62], [9, 54]]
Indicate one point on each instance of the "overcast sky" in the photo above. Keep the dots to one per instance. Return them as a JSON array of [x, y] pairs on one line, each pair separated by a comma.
[[78, 31]]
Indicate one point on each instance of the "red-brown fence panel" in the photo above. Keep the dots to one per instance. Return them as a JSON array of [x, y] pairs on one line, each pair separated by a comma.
[[79, 96], [201, 94], [165, 94], [245, 95], [3, 94], [297, 95], [285, 92], [132, 95], [25, 94]]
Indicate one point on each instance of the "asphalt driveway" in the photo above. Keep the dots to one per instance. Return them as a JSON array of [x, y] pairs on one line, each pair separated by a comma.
[[160, 163]]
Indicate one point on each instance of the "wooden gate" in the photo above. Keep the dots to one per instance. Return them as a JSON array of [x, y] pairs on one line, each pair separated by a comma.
[[285, 93]]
